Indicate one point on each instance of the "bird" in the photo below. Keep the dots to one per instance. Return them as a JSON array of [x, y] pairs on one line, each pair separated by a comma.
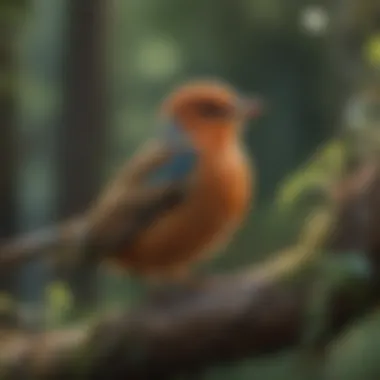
[[183, 195], [202, 124]]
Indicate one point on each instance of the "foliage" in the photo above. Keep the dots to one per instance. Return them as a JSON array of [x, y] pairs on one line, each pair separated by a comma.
[[372, 50], [316, 175], [58, 304]]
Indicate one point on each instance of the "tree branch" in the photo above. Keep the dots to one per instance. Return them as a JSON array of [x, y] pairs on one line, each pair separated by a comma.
[[216, 319], [220, 319]]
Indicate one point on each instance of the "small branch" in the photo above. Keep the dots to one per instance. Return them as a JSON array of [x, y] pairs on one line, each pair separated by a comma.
[[40, 243]]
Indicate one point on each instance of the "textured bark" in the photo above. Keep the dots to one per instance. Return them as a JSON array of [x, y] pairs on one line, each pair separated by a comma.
[[215, 321]]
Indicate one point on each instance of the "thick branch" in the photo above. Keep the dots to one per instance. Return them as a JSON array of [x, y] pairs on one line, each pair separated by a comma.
[[217, 320]]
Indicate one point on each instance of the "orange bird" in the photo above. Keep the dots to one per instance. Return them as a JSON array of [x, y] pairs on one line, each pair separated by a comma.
[[199, 147]]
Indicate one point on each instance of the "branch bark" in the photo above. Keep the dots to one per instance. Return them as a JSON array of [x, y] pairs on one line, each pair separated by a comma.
[[216, 320]]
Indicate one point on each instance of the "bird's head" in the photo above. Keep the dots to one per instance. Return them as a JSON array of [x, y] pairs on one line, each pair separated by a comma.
[[208, 110]]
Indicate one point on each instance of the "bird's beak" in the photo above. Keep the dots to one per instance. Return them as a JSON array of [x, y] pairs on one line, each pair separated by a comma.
[[252, 107]]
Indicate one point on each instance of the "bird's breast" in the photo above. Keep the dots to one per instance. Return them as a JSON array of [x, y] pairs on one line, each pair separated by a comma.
[[213, 210], [225, 185]]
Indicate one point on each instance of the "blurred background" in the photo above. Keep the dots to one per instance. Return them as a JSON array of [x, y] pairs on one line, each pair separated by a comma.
[[80, 82]]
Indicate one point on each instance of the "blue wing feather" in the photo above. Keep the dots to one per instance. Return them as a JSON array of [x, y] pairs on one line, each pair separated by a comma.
[[180, 164], [176, 169]]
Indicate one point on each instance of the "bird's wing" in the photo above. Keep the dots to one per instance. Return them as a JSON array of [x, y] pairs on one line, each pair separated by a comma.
[[155, 180]]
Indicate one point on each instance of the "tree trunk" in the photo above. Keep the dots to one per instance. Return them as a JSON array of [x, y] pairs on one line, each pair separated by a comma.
[[83, 131], [7, 139]]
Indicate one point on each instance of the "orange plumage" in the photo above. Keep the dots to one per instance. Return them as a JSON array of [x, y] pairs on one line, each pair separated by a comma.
[[219, 192]]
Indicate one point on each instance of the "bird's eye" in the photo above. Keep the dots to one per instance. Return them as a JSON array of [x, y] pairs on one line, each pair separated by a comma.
[[212, 110]]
